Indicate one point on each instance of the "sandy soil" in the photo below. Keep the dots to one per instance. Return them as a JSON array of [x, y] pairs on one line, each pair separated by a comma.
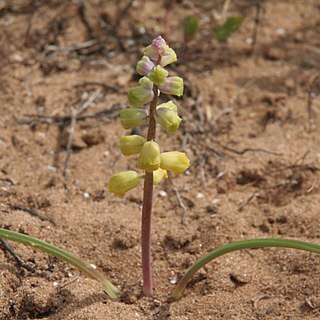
[[254, 146]]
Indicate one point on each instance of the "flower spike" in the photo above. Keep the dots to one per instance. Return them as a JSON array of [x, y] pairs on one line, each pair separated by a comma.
[[155, 79]]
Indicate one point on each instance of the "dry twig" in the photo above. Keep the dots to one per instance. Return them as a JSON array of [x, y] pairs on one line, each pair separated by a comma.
[[248, 200], [256, 24], [6, 247], [181, 204], [245, 150], [105, 114], [121, 15], [32, 212], [311, 112], [74, 113]]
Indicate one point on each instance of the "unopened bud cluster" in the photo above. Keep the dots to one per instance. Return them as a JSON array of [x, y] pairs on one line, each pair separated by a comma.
[[155, 79]]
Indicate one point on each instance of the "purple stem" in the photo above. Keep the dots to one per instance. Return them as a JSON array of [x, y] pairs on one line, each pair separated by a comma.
[[147, 208]]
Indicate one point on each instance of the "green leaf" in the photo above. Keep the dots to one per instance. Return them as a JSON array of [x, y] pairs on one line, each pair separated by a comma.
[[222, 33], [81, 265], [190, 26], [239, 245]]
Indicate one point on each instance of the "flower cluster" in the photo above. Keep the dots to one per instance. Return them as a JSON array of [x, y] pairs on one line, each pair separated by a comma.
[[155, 79]]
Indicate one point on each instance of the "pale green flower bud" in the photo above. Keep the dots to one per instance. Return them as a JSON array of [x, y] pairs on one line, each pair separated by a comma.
[[168, 119], [144, 66], [159, 175], [129, 145], [174, 161], [172, 85], [168, 57], [158, 75], [123, 181], [133, 117], [139, 96], [146, 83], [151, 52], [170, 105], [149, 158]]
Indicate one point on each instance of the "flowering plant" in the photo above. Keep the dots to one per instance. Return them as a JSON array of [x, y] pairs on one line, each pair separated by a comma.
[[154, 165], [151, 160]]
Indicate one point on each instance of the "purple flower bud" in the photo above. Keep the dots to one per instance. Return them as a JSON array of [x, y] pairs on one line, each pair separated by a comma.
[[159, 44], [144, 66], [160, 51]]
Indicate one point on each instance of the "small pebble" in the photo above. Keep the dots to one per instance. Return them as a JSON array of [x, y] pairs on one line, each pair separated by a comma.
[[200, 195], [162, 193], [85, 95], [219, 175], [17, 57], [86, 195], [215, 201], [205, 19], [173, 281], [51, 168], [249, 41], [280, 31]]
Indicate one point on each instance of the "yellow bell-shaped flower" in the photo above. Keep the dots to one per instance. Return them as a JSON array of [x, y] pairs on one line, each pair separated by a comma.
[[129, 145], [159, 175], [168, 119], [123, 181], [149, 158], [170, 105], [174, 161]]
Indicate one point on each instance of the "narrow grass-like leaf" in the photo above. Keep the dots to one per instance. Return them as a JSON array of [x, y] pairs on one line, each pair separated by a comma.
[[244, 244], [222, 33], [81, 265], [190, 26]]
